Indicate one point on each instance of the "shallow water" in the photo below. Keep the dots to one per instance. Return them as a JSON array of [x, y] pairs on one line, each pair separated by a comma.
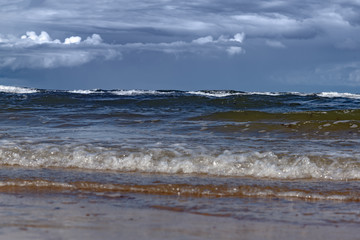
[[287, 157]]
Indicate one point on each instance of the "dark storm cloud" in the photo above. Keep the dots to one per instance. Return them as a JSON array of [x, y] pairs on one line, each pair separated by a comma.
[[256, 18]]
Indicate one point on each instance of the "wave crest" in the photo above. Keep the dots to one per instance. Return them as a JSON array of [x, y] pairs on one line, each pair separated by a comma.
[[17, 90], [175, 161]]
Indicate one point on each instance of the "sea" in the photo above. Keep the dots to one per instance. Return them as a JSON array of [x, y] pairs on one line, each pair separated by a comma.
[[285, 157]]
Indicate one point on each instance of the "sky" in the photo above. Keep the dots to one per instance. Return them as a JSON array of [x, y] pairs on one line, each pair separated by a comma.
[[246, 45]]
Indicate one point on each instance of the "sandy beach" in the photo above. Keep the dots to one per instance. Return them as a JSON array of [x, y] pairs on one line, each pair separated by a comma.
[[59, 216]]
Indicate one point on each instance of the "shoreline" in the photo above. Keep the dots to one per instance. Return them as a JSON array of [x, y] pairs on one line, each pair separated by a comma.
[[62, 216]]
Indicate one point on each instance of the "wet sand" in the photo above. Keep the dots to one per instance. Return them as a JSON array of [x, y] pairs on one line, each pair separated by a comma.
[[62, 216]]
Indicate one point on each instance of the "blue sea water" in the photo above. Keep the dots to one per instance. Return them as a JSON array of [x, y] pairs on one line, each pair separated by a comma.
[[215, 149]]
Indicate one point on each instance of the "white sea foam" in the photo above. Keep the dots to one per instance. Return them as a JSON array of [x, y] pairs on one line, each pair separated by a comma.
[[214, 93], [265, 93], [17, 90], [299, 94], [219, 94], [339, 95], [138, 92], [247, 164], [85, 91], [134, 92], [120, 92], [228, 93]]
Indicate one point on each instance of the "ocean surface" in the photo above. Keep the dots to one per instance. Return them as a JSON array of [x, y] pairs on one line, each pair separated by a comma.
[[262, 156]]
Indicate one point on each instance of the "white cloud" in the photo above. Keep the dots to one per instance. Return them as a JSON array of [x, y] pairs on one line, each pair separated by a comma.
[[72, 40], [31, 38], [95, 39], [41, 51], [39, 39], [234, 50], [230, 45], [239, 37], [204, 40]]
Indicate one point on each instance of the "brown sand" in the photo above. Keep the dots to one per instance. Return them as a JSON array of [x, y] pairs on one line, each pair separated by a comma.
[[44, 216]]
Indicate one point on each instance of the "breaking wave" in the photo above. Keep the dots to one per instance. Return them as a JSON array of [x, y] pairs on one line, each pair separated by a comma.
[[17, 90], [172, 161], [203, 93]]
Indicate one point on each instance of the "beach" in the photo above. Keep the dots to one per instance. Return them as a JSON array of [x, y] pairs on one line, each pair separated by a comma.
[[59, 216]]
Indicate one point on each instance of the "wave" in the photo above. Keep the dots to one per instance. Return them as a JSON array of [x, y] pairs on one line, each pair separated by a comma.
[[187, 190], [140, 92], [339, 95], [86, 92], [186, 161], [203, 93], [17, 90], [133, 92], [215, 93]]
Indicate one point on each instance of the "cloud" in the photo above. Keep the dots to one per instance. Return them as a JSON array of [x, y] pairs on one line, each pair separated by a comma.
[[202, 45], [31, 38], [275, 44], [41, 51], [170, 26], [72, 40], [239, 37], [42, 38], [95, 39], [234, 50], [203, 40], [290, 19]]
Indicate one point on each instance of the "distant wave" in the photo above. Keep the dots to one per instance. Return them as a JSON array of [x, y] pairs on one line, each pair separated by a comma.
[[217, 93], [133, 92], [203, 93], [139, 92], [17, 90], [86, 91], [339, 95]]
